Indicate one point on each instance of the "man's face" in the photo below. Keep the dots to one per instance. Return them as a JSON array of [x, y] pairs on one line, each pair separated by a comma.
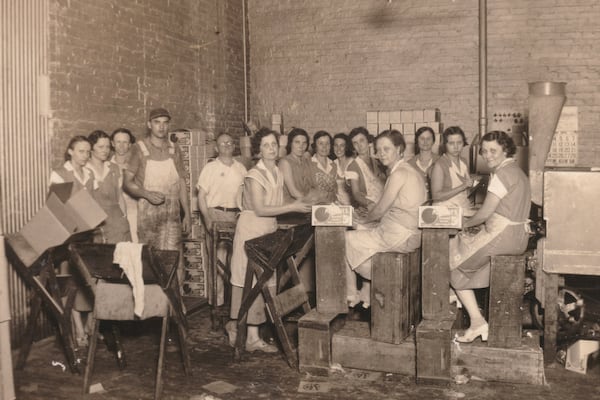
[[159, 127], [225, 145], [121, 143]]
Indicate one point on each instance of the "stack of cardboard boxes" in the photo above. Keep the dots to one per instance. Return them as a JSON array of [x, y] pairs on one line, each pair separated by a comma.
[[407, 122], [197, 147]]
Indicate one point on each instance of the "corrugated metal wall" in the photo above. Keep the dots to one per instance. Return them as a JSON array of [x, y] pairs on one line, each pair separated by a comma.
[[24, 133]]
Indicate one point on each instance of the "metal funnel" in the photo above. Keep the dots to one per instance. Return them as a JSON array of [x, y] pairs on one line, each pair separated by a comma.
[[546, 100]]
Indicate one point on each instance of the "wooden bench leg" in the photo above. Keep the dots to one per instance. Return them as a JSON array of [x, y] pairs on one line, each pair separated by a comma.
[[161, 358], [507, 282], [89, 369]]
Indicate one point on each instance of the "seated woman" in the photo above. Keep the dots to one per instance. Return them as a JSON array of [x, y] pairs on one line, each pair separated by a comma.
[[342, 150], [424, 158], [262, 200], [502, 220], [450, 179], [74, 170], [366, 178], [324, 171], [395, 215]]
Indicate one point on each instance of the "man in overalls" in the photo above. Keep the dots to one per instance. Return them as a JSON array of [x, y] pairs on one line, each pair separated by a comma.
[[155, 176]]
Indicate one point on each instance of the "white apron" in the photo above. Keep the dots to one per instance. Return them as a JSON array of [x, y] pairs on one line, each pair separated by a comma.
[[457, 175]]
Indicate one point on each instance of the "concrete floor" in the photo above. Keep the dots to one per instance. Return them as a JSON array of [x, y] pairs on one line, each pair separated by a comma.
[[258, 376]]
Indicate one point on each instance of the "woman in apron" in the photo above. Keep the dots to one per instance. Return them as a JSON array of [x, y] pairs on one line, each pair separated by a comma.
[[295, 167], [366, 180], [109, 194], [424, 158], [395, 216], [450, 179], [262, 201], [74, 170], [342, 149], [502, 223]]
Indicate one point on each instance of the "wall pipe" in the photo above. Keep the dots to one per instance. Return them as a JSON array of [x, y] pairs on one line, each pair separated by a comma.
[[245, 60], [482, 69]]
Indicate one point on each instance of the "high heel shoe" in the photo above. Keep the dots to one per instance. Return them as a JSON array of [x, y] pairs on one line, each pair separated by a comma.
[[472, 334]]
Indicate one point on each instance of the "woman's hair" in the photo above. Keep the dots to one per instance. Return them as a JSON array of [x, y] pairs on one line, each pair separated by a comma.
[[502, 138], [258, 137], [452, 130], [97, 135], [123, 130], [293, 133], [74, 140], [395, 136], [347, 143], [361, 130], [317, 136], [418, 133]]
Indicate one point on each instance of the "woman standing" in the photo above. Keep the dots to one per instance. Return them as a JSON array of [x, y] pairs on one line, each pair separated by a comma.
[[424, 158], [502, 220], [342, 149], [121, 140], [109, 193], [74, 170], [395, 216], [324, 171], [366, 179], [450, 179], [262, 201], [296, 166]]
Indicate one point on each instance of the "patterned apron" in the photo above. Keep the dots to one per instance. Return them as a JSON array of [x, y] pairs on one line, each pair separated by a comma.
[[160, 225]]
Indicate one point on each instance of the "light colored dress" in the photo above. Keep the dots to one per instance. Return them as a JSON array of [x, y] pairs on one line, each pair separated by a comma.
[[454, 176], [324, 180], [505, 232], [398, 229], [425, 170], [250, 225], [344, 192]]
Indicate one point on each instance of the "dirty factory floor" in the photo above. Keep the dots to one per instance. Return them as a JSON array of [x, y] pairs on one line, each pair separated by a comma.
[[257, 376]]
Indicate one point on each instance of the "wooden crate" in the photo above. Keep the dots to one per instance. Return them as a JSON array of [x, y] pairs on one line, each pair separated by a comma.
[[524, 364], [394, 300], [507, 282], [330, 269], [436, 274], [315, 331], [352, 347], [433, 351]]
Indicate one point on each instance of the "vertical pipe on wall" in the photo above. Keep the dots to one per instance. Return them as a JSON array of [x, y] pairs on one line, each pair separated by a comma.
[[244, 44], [482, 68]]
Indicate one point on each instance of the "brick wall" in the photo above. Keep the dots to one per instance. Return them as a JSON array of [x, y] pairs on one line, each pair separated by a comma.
[[324, 64], [111, 61]]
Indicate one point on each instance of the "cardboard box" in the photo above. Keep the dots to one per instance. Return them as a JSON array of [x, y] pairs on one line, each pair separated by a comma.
[[418, 116], [406, 116], [440, 217], [56, 222], [332, 215], [431, 115], [371, 117], [395, 117], [408, 129], [383, 118]]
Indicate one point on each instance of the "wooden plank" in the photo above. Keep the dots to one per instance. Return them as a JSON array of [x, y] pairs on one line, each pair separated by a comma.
[[433, 350], [330, 269], [414, 302], [550, 316], [436, 274], [390, 316], [507, 280], [315, 331], [353, 348], [524, 364], [289, 300]]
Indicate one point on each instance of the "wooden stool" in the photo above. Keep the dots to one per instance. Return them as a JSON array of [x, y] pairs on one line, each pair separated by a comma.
[[114, 300], [507, 283], [395, 296], [265, 256], [222, 233]]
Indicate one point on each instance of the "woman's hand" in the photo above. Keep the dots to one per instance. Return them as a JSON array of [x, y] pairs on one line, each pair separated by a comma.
[[467, 181], [300, 207]]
